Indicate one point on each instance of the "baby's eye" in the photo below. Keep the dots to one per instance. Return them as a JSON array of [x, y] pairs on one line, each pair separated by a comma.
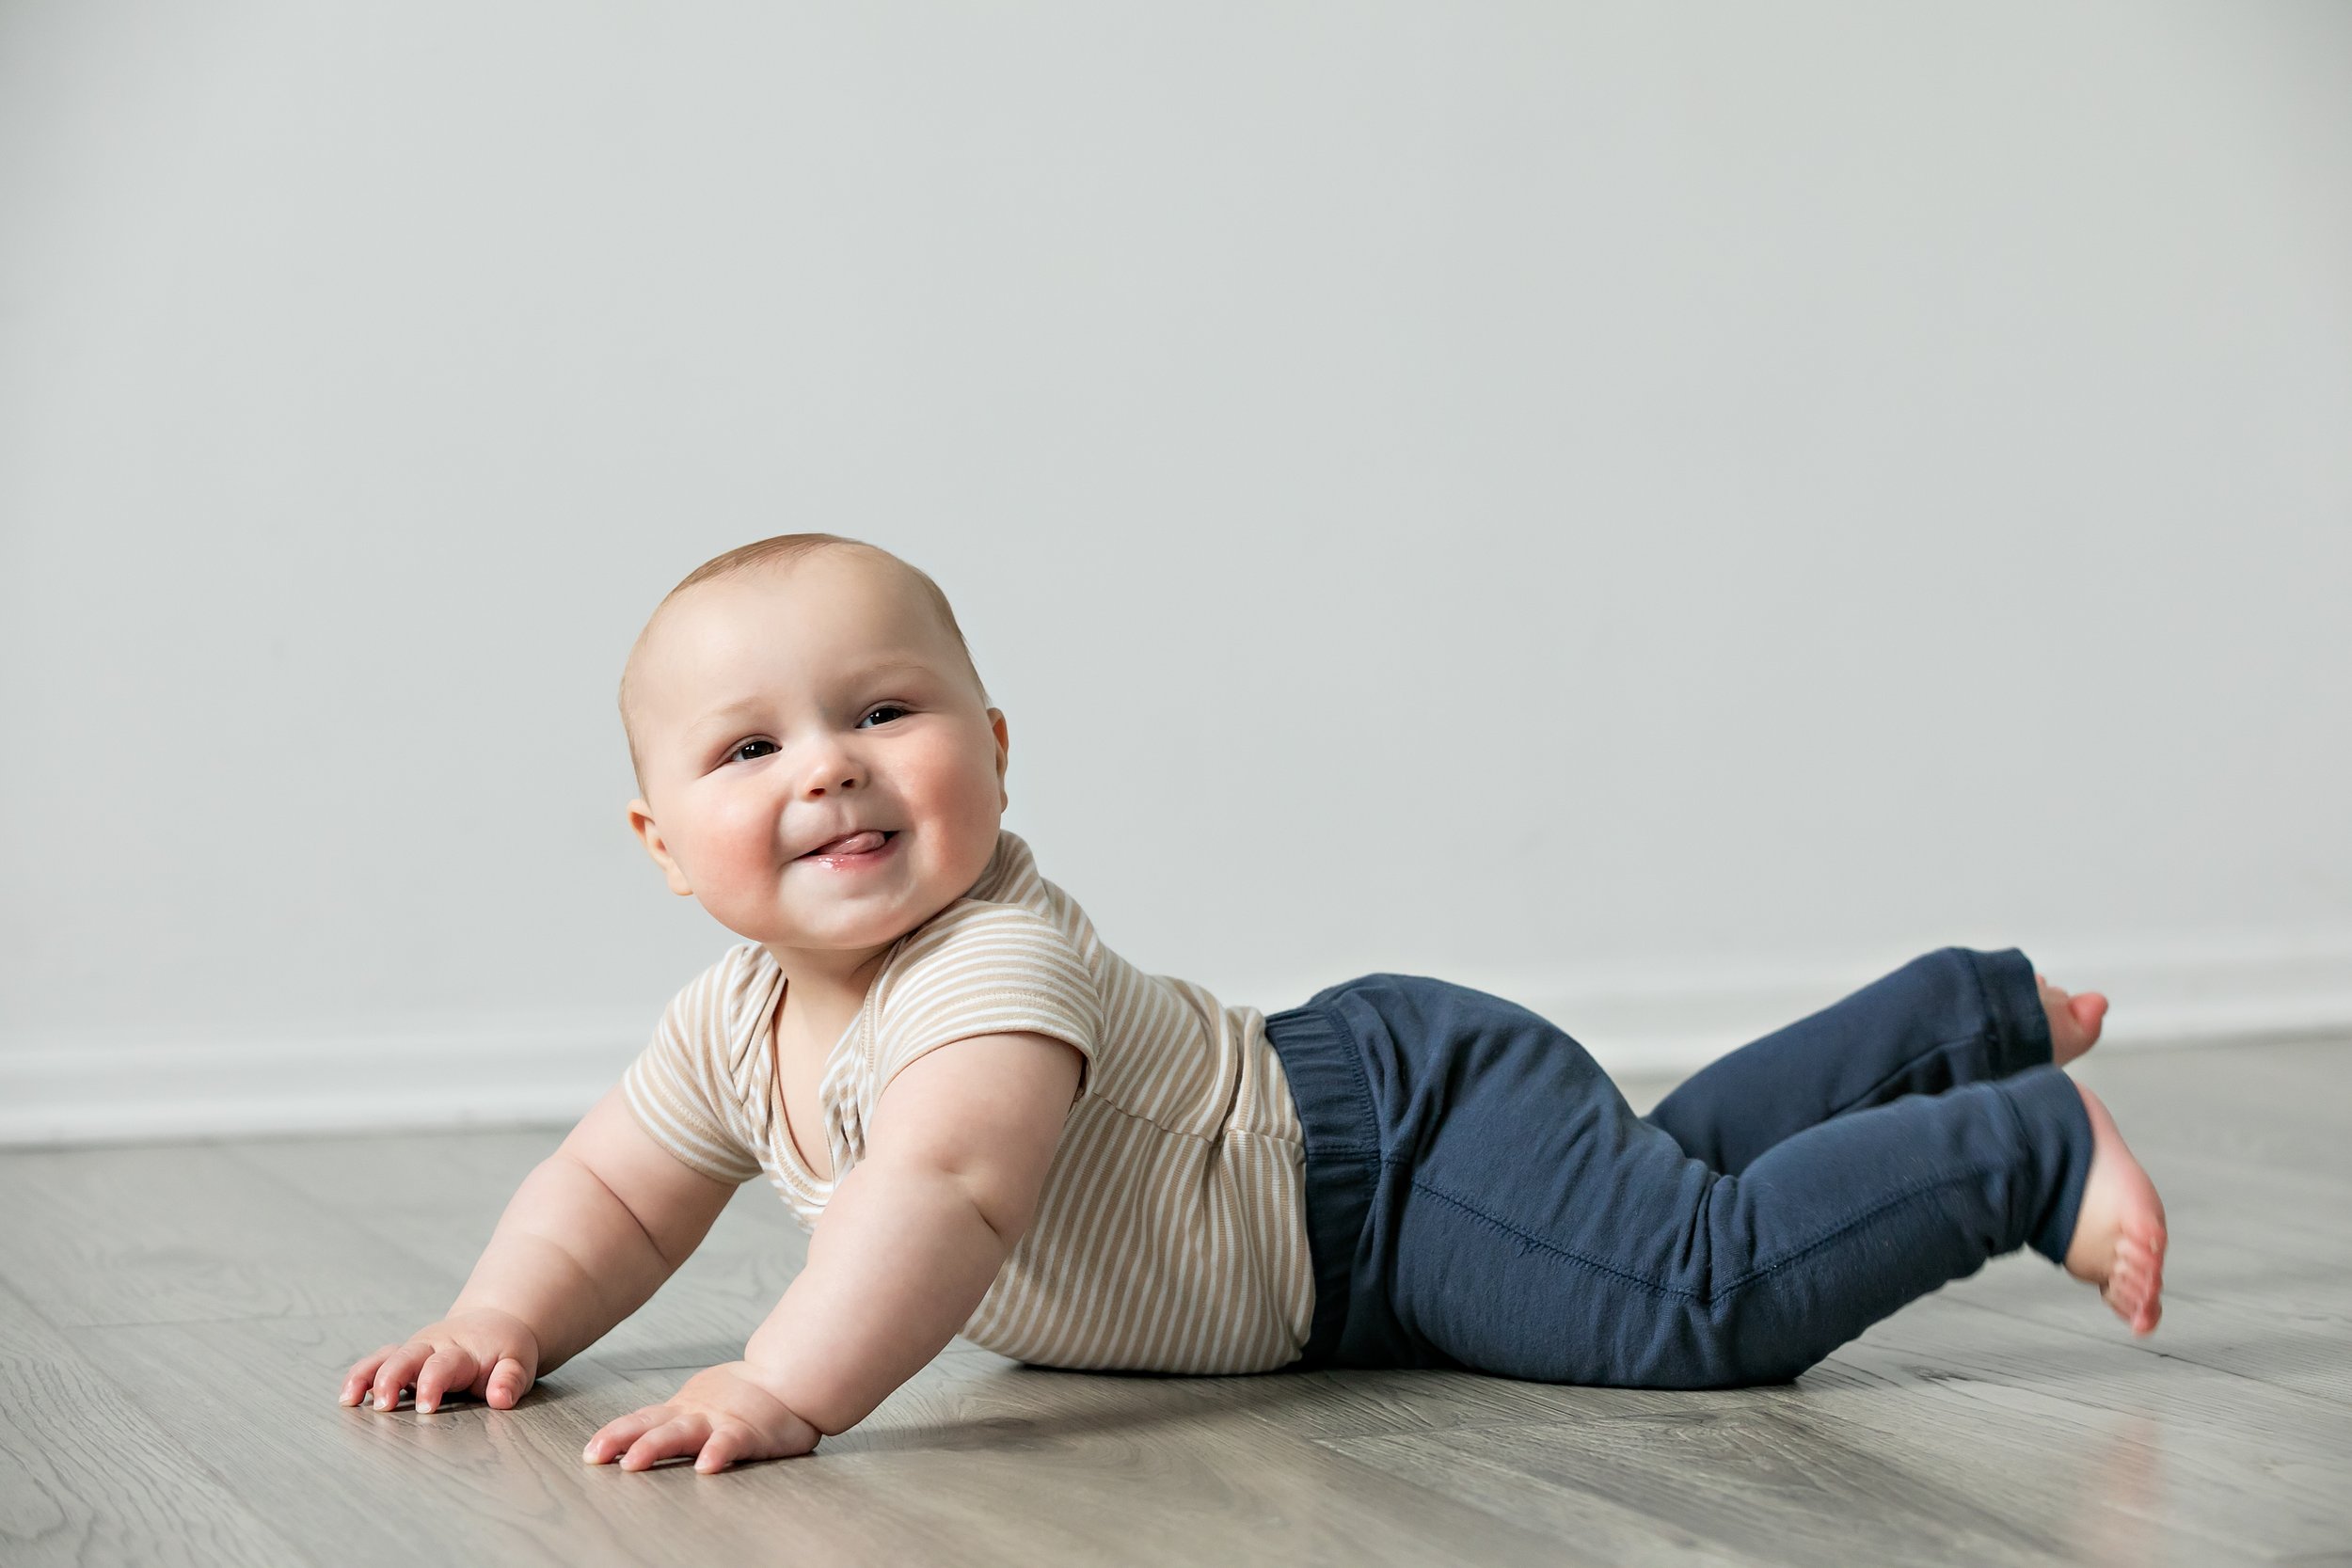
[[887, 708], [738, 753]]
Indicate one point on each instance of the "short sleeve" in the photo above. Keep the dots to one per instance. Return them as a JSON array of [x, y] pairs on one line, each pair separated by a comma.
[[678, 1086], [987, 969]]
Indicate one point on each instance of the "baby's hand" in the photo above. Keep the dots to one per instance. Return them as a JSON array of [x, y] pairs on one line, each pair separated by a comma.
[[724, 1414], [489, 1355]]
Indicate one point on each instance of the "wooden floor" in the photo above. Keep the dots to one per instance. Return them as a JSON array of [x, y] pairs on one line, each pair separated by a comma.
[[174, 1320]]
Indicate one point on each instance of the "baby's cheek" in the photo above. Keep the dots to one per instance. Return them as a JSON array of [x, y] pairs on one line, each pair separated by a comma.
[[971, 796], [733, 865], [744, 839]]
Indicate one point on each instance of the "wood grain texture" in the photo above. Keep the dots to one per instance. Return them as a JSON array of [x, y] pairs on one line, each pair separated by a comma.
[[190, 1233], [175, 1319], [89, 1478]]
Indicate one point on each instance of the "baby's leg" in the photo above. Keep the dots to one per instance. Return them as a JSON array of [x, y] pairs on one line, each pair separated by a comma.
[[1950, 1017], [1584, 1246]]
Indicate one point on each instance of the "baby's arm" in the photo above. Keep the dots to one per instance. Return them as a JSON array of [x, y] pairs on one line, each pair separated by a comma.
[[593, 1231], [910, 1242], [955, 1156]]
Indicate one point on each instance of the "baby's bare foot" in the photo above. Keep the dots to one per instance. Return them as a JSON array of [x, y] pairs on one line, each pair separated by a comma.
[[2118, 1230], [2073, 1020]]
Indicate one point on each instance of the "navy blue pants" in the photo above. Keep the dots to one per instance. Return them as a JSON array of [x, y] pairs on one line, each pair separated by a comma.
[[1479, 1195]]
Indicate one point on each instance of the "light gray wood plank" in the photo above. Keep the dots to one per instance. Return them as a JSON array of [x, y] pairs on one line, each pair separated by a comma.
[[2155, 1459], [1052, 1466], [357, 1175], [975, 1459], [2262, 1105], [89, 1478], [2065, 1430], [2285, 1324], [1361, 1401], [2098, 1371], [465, 1484], [1756, 1478], [187, 1232]]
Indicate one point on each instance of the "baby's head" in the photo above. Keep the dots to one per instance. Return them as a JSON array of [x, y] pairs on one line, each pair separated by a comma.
[[746, 702]]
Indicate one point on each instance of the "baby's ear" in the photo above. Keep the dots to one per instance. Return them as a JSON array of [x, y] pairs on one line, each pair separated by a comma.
[[648, 833]]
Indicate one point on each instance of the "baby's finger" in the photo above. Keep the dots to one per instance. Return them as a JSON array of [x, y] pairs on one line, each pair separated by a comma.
[[683, 1436], [398, 1371], [362, 1374], [442, 1369], [506, 1382], [615, 1435], [720, 1451]]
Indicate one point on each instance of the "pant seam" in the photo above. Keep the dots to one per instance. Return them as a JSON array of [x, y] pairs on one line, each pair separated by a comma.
[[1726, 1292]]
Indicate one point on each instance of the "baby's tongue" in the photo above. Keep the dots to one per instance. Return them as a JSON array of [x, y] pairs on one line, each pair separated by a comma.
[[856, 844]]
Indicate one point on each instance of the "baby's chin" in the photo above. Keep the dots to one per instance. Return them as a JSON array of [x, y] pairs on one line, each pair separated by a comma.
[[876, 928]]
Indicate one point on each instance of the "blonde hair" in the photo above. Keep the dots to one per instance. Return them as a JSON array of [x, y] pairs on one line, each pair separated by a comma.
[[784, 550]]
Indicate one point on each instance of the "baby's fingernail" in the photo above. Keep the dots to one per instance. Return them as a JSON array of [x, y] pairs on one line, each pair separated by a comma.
[[424, 1409]]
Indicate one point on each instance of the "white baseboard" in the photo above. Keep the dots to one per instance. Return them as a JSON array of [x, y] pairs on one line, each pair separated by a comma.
[[1660, 1021], [114, 1091], [1654, 1020]]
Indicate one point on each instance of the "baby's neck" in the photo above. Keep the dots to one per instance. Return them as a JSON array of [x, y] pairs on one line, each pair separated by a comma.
[[814, 1011], [820, 972]]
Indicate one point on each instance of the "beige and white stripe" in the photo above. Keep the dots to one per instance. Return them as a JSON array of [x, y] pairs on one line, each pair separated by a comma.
[[1170, 1235]]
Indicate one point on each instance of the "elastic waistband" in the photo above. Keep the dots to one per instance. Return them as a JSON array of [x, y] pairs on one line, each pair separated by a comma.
[[1324, 1067]]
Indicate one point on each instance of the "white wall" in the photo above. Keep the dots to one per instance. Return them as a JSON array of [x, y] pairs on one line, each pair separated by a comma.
[[1663, 511]]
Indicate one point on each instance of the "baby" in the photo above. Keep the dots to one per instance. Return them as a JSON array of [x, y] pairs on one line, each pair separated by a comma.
[[993, 1124]]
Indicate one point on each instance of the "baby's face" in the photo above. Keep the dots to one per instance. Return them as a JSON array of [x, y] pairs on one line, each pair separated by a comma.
[[779, 708]]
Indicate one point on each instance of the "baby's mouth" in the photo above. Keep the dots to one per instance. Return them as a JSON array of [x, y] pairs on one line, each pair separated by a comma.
[[854, 844]]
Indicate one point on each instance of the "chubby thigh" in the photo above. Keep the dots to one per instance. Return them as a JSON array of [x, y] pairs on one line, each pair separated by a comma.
[[1528, 1223], [1549, 1233]]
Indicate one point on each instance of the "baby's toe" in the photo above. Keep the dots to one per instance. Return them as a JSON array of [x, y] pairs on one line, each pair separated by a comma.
[[2135, 1291], [2141, 1233], [2135, 1269], [2124, 1283]]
